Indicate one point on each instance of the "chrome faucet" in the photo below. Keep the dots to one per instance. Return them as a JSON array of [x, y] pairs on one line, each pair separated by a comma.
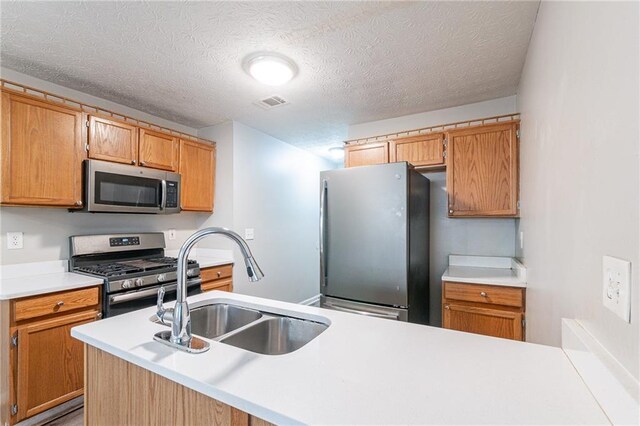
[[179, 316]]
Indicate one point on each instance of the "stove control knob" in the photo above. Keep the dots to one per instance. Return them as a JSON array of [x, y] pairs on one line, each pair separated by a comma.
[[126, 284], [139, 282], [161, 278]]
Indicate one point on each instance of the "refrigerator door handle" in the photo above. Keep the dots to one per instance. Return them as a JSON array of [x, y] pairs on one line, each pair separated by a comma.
[[366, 313], [323, 195]]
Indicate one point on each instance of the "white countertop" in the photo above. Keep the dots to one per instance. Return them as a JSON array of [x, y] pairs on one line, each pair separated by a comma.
[[13, 288], [503, 271], [365, 370], [30, 279]]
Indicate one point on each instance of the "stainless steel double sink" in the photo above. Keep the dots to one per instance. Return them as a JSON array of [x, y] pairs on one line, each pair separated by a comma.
[[253, 330]]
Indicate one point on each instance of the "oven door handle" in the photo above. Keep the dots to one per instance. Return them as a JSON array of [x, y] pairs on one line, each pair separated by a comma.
[[134, 295], [163, 201]]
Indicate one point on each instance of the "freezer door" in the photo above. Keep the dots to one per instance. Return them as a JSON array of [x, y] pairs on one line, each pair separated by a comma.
[[364, 234]]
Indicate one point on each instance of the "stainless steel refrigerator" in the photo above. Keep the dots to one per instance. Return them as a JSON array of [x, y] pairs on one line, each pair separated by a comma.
[[374, 242]]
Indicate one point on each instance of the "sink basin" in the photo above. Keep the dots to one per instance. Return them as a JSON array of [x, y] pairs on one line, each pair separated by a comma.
[[276, 335], [214, 320]]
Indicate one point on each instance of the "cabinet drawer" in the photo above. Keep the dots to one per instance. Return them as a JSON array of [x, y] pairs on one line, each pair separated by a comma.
[[48, 304], [224, 285], [480, 293], [216, 273]]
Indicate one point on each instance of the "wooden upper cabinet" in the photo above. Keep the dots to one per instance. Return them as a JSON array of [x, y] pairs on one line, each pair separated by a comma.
[[112, 140], [197, 168], [482, 170], [158, 150], [423, 151], [366, 155], [42, 152]]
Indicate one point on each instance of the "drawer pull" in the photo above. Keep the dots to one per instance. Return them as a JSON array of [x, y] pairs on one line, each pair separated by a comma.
[[219, 273], [446, 306], [60, 304], [483, 294]]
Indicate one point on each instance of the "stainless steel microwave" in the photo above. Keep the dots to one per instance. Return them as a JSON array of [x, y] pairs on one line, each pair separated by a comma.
[[120, 188]]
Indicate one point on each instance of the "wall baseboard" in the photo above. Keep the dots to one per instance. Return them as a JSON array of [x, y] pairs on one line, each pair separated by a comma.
[[310, 301], [615, 389]]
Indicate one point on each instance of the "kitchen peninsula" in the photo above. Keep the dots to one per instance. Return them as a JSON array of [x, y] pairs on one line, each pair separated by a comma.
[[360, 370]]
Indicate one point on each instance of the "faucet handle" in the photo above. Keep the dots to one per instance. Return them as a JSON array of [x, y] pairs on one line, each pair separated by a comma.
[[163, 314]]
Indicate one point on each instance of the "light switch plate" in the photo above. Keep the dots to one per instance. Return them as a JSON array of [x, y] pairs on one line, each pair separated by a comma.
[[616, 286], [248, 234], [172, 234]]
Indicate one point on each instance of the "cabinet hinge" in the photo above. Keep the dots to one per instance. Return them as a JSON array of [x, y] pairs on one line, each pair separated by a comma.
[[86, 147], [518, 204], [524, 323], [14, 409], [518, 133], [14, 339], [86, 123]]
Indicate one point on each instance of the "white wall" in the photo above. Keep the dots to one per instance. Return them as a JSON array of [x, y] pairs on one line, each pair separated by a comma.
[[489, 237], [579, 168], [276, 192], [490, 108], [46, 230]]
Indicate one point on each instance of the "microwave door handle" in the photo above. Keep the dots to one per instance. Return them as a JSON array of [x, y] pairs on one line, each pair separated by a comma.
[[163, 201]]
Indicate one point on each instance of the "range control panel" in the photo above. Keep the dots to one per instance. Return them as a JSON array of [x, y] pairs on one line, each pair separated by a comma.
[[172, 194], [124, 241]]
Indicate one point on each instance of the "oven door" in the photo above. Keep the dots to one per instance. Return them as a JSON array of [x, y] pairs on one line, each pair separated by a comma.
[[119, 188], [121, 303]]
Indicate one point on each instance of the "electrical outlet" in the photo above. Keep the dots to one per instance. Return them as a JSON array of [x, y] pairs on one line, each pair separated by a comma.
[[172, 234], [14, 240], [248, 234], [616, 286]]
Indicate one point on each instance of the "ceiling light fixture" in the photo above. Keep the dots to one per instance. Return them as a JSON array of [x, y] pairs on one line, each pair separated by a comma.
[[272, 69], [337, 152]]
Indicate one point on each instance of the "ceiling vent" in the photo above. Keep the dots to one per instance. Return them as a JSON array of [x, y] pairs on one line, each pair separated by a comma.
[[272, 102]]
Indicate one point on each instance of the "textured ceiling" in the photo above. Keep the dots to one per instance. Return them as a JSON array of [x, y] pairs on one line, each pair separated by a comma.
[[358, 61]]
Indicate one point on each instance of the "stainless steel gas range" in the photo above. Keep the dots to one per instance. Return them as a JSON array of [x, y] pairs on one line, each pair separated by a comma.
[[133, 267]]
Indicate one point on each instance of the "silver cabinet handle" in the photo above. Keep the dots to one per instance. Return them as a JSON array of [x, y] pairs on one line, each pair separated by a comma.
[[446, 306], [366, 313], [60, 304], [323, 195], [483, 294]]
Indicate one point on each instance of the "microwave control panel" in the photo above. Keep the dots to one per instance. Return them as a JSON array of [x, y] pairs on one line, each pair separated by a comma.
[[172, 194]]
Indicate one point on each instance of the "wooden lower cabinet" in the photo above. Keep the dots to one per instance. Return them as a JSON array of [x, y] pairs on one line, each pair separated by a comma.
[[46, 363], [217, 278], [113, 397], [484, 309]]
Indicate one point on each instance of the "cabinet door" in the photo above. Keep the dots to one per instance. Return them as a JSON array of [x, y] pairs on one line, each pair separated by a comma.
[[112, 140], [482, 171], [198, 169], [490, 322], [158, 150], [366, 155], [421, 151], [42, 153], [50, 363]]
